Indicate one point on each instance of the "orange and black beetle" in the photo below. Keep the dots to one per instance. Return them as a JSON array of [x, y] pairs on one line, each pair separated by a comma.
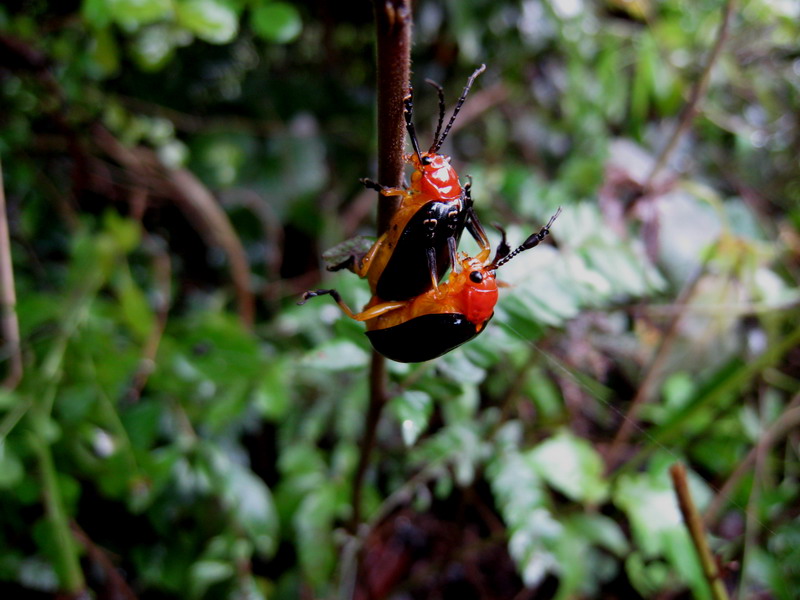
[[440, 319], [420, 244]]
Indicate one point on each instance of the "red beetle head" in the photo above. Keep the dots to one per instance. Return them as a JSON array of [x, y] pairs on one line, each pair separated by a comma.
[[476, 289], [475, 285]]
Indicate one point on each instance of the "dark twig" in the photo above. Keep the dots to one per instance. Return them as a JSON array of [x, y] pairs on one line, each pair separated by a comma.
[[8, 300], [393, 21], [115, 583], [696, 94], [196, 202], [694, 523]]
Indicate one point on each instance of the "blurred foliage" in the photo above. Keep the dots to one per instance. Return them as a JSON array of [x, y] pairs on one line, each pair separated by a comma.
[[157, 445]]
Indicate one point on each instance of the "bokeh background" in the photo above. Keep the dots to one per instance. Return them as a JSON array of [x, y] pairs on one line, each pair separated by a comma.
[[173, 425]]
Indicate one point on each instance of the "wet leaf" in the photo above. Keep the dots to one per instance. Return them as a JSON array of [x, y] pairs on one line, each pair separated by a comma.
[[213, 21], [412, 409], [277, 22], [572, 466]]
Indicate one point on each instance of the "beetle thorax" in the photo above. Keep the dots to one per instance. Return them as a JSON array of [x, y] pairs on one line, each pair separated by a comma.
[[434, 177]]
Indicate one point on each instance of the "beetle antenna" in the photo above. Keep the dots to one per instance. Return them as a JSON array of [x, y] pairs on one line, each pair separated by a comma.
[[437, 143], [408, 112], [531, 242], [440, 92], [503, 249]]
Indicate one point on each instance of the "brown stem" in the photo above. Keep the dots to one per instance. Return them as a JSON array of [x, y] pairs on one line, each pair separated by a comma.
[[9, 325], [393, 20], [694, 523], [116, 585], [697, 93], [196, 202]]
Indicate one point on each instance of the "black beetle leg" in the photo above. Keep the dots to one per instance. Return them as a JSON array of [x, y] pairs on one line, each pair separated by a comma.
[[452, 249], [472, 222], [432, 267], [503, 249], [372, 185], [383, 189]]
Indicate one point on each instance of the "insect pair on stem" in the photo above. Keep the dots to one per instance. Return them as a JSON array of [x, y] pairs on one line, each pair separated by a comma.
[[412, 317]]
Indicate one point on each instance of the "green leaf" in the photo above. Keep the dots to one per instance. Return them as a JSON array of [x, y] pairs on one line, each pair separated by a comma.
[[134, 13], [572, 466], [340, 355], [273, 395], [641, 91], [652, 509], [600, 530], [313, 523], [105, 52], [152, 48], [134, 307], [532, 546], [213, 21], [683, 557], [97, 13], [648, 577], [11, 470], [524, 504], [276, 21], [353, 247], [413, 410], [205, 573], [247, 499]]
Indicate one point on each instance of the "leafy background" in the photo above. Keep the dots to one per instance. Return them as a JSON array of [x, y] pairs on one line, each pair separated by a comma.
[[173, 171]]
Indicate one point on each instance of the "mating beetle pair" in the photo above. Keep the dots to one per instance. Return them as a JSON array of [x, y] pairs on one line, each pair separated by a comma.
[[442, 318], [411, 316]]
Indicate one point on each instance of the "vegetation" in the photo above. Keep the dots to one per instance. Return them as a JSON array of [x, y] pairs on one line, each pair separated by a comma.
[[173, 425]]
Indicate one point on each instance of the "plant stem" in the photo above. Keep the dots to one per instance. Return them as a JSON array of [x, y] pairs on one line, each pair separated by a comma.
[[698, 91], [65, 550], [393, 21], [8, 299], [694, 523]]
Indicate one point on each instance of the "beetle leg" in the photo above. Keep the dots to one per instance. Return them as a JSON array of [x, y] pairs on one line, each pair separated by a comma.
[[432, 267], [365, 315], [383, 189], [380, 309], [474, 225], [363, 266], [503, 249], [452, 248]]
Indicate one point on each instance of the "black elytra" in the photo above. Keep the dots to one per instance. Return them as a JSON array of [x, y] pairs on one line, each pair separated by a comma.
[[431, 235], [424, 337]]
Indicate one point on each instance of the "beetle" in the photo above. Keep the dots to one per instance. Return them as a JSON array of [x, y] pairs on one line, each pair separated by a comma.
[[420, 244], [441, 319]]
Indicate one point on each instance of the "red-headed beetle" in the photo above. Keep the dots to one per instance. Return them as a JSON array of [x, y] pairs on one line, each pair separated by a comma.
[[441, 319], [420, 244]]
